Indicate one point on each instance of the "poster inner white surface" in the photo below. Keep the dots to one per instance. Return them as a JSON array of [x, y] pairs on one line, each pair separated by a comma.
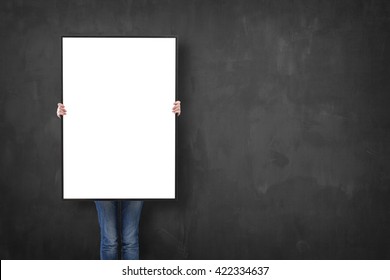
[[119, 131]]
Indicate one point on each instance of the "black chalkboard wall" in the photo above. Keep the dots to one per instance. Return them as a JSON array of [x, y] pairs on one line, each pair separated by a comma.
[[283, 139]]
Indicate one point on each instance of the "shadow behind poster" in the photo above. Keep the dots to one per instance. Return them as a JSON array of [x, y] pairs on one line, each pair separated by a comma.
[[119, 132]]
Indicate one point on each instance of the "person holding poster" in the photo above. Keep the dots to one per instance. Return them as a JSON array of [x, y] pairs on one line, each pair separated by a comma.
[[107, 215]]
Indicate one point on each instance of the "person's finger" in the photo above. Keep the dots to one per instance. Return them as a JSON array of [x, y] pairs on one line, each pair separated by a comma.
[[61, 112]]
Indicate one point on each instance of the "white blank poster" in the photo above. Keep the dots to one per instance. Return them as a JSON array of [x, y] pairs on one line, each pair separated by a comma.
[[119, 131]]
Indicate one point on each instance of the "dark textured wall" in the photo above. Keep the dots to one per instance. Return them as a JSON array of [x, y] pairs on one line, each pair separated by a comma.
[[284, 136]]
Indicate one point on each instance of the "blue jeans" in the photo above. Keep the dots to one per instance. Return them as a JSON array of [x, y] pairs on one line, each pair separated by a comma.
[[109, 233]]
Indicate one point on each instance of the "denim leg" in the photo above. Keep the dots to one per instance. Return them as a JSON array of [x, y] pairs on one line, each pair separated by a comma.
[[107, 215], [131, 213]]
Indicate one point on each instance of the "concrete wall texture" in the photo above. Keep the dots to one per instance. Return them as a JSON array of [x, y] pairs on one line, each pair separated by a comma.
[[283, 140]]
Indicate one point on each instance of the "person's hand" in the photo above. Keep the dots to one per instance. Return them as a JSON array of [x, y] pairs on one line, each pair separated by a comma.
[[176, 108], [61, 111]]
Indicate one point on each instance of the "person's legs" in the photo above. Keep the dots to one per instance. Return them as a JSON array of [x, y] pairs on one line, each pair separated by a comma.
[[131, 213], [107, 215]]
